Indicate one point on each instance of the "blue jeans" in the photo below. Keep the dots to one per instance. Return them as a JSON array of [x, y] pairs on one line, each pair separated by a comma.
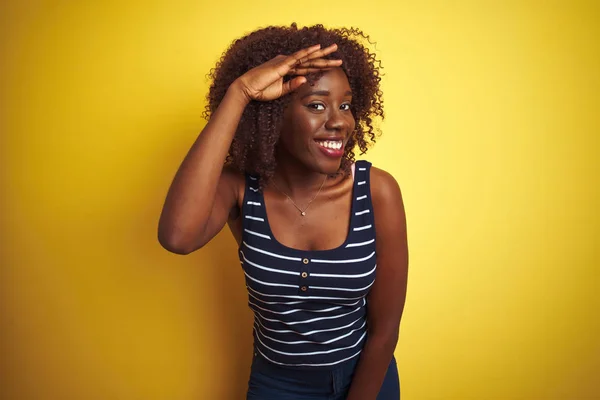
[[269, 381]]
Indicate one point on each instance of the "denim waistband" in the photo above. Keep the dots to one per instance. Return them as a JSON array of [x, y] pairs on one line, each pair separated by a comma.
[[335, 379]]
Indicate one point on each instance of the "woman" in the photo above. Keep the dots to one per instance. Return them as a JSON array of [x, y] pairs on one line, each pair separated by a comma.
[[286, 110]]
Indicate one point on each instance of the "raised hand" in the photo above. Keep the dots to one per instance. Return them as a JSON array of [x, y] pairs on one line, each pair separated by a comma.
[[265, 82]]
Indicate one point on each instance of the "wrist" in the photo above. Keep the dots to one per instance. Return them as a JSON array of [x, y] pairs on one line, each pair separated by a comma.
[[237, 92]]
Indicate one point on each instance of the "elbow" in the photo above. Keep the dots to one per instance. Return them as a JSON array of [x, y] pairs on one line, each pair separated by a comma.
[[176, 244]]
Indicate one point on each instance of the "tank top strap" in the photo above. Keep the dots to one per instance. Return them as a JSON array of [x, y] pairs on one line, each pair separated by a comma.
[[362, 219], [254, 214], [253, 199]]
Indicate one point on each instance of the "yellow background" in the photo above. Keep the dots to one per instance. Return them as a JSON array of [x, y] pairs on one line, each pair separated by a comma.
[[492, 130]]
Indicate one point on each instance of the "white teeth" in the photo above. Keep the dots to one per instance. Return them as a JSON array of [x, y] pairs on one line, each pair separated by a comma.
[[331, 144]]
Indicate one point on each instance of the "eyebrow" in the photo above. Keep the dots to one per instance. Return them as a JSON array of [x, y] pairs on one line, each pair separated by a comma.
[[323, 93]]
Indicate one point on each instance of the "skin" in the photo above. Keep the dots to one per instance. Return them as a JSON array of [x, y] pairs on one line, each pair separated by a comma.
[[204, 196]]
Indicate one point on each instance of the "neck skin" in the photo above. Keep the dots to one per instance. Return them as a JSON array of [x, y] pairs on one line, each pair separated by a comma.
[[293, 177]]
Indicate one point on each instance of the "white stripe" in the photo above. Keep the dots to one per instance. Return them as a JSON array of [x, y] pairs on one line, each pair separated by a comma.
[[253, 203], [312, 365], [361, 183], [269, 283], [294, 310], [278, 302], [272, 254], [305, 297], [362, 228], [313, 353], [306, 321], [253, 178], [343, 261], [362, 169], [343, 289], [300, 301], [279, 271], [360, 244], [310, 332], [258, 234], [310, 341], [255, 218], [351, 304], [361, 197], [363, 212], [344, 276], [253, 189]]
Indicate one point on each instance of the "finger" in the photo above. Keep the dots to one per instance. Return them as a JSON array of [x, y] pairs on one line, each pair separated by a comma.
[[293, 84], [314, 66], [300, 54], [306, 71], [320, 63], [316, 54]]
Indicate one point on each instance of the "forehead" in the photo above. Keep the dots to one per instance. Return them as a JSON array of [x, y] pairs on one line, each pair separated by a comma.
[[334, 81]]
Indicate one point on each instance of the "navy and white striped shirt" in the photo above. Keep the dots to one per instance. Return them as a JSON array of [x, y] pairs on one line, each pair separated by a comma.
[[309, 306]]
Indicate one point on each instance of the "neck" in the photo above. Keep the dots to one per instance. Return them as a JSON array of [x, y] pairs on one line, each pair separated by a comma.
[[296, 179]]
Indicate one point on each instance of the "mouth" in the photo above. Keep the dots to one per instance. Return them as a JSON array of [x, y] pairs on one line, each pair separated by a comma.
[[333, 148], [332, 144]]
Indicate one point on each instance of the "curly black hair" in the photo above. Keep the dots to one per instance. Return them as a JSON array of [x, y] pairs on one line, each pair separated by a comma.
[[253, 147]]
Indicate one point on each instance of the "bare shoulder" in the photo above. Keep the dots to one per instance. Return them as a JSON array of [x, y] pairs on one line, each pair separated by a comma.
[[232, 176], [388, 206], [384, 187], [232, 183]]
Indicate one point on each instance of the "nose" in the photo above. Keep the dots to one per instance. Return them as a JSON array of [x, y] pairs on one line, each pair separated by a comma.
[[336, 121]]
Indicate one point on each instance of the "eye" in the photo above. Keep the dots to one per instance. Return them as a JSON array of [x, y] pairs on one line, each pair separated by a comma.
[[315, 106], [346, 107]]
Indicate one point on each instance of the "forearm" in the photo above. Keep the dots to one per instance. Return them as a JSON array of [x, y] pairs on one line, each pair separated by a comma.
[[372, 366], [189, 199]]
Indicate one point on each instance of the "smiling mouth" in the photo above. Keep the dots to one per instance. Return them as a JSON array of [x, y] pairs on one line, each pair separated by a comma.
[[331, 144]]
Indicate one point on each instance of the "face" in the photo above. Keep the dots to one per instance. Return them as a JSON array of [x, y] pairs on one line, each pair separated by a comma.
[[317, 123]]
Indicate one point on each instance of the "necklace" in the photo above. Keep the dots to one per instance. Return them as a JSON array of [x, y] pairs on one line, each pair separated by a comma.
[[302, 212]]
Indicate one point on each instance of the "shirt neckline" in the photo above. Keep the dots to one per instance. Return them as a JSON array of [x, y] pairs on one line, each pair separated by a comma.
[[295, 250]]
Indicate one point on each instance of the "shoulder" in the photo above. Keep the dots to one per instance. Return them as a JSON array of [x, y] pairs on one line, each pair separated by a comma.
[[383, 185], [233, 182], [232, 174], [232, 178], [388, 205]]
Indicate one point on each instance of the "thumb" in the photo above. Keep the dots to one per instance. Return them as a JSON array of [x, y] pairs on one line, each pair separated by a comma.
[[293, 84]]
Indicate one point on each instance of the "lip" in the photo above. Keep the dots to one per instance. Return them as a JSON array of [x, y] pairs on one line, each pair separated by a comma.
[[342, 138], [331, 153]]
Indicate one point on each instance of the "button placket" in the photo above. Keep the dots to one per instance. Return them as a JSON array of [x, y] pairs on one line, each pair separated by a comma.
[[303, 275]]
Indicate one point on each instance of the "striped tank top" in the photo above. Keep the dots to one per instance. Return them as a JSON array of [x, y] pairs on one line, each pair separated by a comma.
[[309, 307]]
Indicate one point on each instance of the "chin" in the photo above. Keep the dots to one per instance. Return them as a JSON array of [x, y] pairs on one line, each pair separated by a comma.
[[330, 167]]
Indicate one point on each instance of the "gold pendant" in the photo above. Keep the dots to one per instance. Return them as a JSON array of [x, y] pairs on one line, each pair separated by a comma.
[[303, 213]]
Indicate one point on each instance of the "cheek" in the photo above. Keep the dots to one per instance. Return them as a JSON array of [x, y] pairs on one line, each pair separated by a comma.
[[351, 124], [294, 138], [305, 128]]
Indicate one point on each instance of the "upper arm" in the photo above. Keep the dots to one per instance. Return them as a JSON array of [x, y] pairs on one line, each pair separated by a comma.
[[388, 293], [225, 204]]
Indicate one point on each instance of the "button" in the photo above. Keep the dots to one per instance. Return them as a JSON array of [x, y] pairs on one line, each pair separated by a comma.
[[304, 275], [305, 261], [304, 288]]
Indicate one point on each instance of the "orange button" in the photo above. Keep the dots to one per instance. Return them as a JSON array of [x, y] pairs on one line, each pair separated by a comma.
[[304, 288], [304, 275], [305, 261]]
